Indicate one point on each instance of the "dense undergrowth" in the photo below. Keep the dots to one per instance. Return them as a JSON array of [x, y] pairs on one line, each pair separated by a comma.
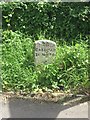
[[67, 24], [68, 71]]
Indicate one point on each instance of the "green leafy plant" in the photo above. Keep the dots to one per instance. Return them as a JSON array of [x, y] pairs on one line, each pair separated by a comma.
[[68, 71], [68, 21], [17, 56]]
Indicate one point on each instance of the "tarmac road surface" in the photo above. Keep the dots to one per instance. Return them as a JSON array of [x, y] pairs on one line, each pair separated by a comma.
[[21, 108]]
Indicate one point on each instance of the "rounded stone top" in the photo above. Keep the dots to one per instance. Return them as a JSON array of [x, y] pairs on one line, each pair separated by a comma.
[[45, 41]]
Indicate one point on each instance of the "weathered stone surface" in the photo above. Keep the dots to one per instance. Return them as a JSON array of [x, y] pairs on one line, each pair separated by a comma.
[[45, 51]]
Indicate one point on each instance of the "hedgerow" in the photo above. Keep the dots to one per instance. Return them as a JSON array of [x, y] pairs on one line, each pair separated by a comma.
[[57, 21], [65, 23]]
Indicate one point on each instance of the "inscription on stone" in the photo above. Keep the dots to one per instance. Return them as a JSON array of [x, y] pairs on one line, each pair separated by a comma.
[[45, 51]]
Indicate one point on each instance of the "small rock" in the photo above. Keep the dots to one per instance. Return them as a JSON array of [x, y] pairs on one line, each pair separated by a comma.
[[32, 94]]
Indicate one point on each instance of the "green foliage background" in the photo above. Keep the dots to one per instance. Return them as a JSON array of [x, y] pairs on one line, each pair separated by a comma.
[[68, 24], [65, 21]]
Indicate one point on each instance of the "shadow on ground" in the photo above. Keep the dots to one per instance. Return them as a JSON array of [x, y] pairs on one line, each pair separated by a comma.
[[73, 107]]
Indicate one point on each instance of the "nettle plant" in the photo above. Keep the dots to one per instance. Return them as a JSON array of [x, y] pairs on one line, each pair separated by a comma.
[[17, 64]]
